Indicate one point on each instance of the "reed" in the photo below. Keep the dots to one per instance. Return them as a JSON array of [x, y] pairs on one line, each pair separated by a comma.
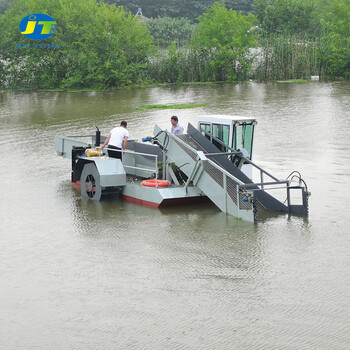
[[186, 65], [287, 58]]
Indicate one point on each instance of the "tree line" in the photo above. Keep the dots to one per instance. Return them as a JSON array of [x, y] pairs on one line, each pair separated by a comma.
[[101, 44], [190, 9]]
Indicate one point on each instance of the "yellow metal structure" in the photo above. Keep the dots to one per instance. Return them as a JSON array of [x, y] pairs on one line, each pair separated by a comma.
[[96, 152]]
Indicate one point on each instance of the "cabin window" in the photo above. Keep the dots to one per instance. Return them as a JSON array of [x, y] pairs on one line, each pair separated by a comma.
[[243, 138], [205, 127], [222, 132]]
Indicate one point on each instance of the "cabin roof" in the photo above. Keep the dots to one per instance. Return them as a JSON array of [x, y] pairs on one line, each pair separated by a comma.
[[224, 118]]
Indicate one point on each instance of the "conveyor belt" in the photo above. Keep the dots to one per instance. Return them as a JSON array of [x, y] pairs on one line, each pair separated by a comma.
[[214, 173], [265, 199], [207, 175]]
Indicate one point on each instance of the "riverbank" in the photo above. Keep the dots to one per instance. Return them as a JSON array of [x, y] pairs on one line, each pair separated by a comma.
[[194, 83]]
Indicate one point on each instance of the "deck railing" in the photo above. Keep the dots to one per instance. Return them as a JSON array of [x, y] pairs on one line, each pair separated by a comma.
[[152, 170]]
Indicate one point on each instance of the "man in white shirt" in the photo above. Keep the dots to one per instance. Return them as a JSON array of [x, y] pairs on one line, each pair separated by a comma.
[[117, 139], [176, 128]]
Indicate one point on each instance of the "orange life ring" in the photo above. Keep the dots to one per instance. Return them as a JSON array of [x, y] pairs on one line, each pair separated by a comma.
[[154, 183]]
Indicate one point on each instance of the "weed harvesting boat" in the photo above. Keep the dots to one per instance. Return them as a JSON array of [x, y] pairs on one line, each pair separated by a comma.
[[212, 161]]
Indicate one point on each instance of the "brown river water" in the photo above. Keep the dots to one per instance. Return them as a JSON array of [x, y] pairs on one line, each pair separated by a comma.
[[77, 274]]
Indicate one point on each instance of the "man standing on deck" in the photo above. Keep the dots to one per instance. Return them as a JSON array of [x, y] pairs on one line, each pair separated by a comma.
[[176, 128], [117, 139]]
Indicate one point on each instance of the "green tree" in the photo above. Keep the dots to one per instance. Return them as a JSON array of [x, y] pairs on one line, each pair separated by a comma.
[[224, 37], [288, 16], [179, 8], [100, 46], [165, 30], [335, 51], [5, 5]]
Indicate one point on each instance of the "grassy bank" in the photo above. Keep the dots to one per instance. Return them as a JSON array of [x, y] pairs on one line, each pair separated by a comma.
[[153, 107], [294, 81]]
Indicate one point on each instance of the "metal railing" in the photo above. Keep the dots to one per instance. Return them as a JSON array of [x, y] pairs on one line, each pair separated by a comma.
[[150, 170], [212, 137], [239, 154], [252, 187], [225, 175], [263, 185], [80, 136], [263, 172]]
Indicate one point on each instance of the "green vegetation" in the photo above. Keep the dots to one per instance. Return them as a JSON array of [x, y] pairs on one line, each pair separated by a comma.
[[300, 38], [165, 30], [218, 50], [335, 44], [104, 46], [4, 5], [290, 17], [222, 40], [190, 9], [150, 107], [101, 46], [289, 38], [293, 81], [286, 57]]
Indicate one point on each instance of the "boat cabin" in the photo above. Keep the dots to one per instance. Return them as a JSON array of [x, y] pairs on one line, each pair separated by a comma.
[[234, 132]]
